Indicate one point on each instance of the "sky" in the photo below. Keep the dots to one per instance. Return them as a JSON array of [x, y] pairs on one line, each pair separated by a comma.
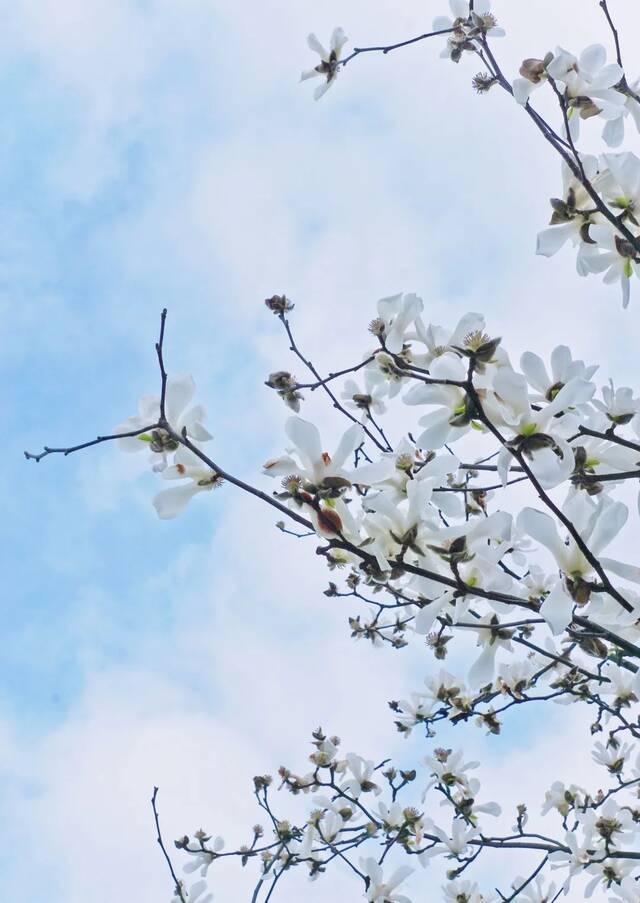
[[156, 154]]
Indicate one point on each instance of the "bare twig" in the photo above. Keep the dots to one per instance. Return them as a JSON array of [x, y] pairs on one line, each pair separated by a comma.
[[178, 885]]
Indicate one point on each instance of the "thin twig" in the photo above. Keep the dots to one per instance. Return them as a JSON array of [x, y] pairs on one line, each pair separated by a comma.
[[156, 817], [163, 372], [74, 448], [387, 48]]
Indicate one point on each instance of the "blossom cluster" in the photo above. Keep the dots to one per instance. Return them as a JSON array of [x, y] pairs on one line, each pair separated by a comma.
[[356, 813], [519, 587], [600, 205]]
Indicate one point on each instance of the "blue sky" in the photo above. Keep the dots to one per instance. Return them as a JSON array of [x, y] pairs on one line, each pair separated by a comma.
[[152, 156]]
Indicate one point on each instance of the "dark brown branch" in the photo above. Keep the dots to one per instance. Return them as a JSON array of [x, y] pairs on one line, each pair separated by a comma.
[[183, 439], [321, 382], [163, 372], [609, 477], [74, 448], [609, 435], [614, 30], [156, 817], [387, 48]]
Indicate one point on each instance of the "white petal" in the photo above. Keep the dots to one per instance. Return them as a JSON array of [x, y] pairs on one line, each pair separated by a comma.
[[607, 77], [338, 40], [351, 439], [471, 322], [626, 571], [279, 466], [561, 63], [482, 670], [512, 389], [613, 132], [322, 89], [522, 89], [317, 47], [368, 474], [172, 502], [398, 876], [130, 443], [437, 430], [180, 391], [534, 369], [557, 609], [503, 464], [551, 469], [607, 525], [576, 391], [459, 8], [625, 169], [306, 438], [309, 73], [549, 241], [541, 527], [592, 58]]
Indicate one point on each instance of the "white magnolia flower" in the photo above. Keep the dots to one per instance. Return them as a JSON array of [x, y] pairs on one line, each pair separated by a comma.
[[611, 823], [568, 222], [602, 456], [627, 890], [194, 894], [513, 676], [179, 394], [621, 187], [397, 313], [381, 890], [613, 756], [200, 478], [462, 795], [533, 74], [439, 340], [597, 524], [607, 873], [403, 520], [562, 798], [203, 859], [578, 855], [537, 582], [329, 64], [538, 891], [588, 83], [491, 639], [312, 463], [392, 816], [466, 25], [455, 844], [361, 777], [330, 826], [563, 370], [450, 421], [552, 459], [412, 711], [367, 399], [613, 132], [612, 255], [623, 686], [440, 686], [465, 890], [619, 405], [449, 770]]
